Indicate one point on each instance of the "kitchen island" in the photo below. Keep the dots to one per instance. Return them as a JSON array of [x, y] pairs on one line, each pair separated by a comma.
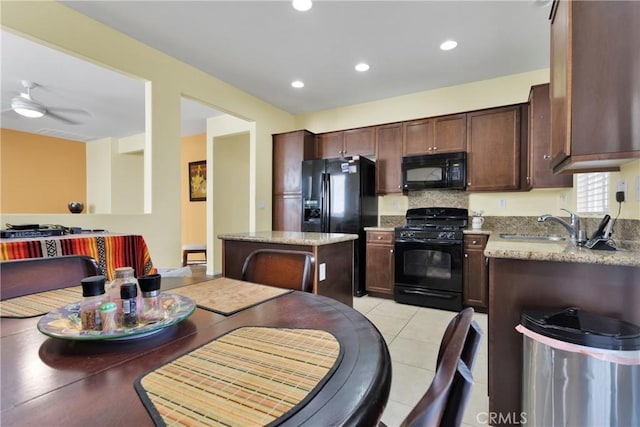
[[334, 269], [529, 275]]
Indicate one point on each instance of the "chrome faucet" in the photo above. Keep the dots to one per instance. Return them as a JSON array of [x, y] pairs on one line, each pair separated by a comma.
[[573, 227]]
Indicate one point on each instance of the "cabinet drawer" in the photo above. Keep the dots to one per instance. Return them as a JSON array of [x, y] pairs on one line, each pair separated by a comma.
[[475, 241], [381, 237]]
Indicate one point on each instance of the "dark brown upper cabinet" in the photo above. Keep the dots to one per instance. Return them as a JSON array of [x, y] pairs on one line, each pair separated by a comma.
[[445, 134], [595, 89]]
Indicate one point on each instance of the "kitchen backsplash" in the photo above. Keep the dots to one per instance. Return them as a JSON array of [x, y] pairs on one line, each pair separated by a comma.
[[627, 230]]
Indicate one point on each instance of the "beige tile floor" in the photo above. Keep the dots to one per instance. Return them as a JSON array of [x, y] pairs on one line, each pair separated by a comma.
[[413, 335]]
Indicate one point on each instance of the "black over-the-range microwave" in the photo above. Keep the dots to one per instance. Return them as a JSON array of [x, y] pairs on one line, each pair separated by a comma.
[[434, 171]]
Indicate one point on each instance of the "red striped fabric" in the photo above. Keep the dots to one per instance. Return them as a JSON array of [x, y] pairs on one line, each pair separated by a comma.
[[110, 252]]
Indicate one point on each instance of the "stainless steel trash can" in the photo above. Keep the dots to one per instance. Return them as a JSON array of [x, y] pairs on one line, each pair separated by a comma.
[[579, 369]]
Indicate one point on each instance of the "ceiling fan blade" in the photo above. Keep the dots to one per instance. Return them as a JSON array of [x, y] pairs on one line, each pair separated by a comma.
[[78, 111], [61, 118]]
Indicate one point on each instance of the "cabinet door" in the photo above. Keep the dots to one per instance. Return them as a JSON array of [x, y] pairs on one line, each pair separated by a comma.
[[359, 142], [560, 54], [450, 134], [329, 145], [540, 169], [389, 159], [493, 149], [475, 274], [287, 213], [418, 137], [380, 263], [289, 150]]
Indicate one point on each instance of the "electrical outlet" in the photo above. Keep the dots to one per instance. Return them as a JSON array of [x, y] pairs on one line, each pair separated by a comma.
[[622, 186], [322, 272], [503, 203]]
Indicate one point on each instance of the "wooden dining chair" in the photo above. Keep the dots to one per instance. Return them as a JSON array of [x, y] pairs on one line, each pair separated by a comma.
[[281, 268], [446, 399], [27, 276]]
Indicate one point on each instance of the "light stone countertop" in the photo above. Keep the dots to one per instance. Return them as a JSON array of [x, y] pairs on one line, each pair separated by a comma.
[[379, 229], [563, 251], [290, 237]]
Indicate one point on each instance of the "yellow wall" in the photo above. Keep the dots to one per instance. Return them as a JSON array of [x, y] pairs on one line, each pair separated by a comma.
[[40, 174], [60, 27], [194, 214], [231, 173], [467, 97]]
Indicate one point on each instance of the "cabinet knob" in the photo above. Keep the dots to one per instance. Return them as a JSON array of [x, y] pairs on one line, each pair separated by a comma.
[[429, 149], [466, 255], [468, 183], [391, 250], [379, 237], [435, 148], [546, 157], [474, 242]]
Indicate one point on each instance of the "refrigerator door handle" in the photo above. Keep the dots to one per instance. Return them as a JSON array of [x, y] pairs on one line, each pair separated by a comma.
[[323, 201], [327, 211]]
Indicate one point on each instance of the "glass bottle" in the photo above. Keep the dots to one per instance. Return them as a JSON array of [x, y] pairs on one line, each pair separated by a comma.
[[128, 297], [93, 295], [152, 308], [122, 275]]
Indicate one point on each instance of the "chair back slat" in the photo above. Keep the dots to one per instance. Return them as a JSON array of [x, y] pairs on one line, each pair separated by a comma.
[[281, 268], [445, 401]]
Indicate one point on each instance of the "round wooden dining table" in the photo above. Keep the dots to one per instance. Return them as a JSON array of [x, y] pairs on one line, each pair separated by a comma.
[[52, 381]]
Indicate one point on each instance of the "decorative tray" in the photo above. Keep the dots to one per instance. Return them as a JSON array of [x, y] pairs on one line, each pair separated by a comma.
[[64, 322]]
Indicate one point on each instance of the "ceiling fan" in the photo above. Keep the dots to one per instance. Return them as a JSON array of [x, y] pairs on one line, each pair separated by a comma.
[[26, 106]]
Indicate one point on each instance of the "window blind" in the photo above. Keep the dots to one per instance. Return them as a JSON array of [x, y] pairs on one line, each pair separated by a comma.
[[592, 192]]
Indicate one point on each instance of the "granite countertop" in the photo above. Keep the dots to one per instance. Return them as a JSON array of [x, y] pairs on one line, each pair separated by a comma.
[[379, 229], [563, 251], [290, 237]]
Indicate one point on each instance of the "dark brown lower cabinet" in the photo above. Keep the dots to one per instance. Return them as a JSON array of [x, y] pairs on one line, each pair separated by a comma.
[[380, 267], [475, 273]]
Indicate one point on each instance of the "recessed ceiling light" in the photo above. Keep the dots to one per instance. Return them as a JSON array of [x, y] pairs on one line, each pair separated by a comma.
[[297, 84], [448, 45], [302, 5], [363, 66]]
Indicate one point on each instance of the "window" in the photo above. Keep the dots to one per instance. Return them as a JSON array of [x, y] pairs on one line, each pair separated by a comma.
[[592, 192]]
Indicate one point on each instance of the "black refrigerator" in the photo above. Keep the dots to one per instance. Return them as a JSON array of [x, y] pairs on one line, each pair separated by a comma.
[[339, 196]]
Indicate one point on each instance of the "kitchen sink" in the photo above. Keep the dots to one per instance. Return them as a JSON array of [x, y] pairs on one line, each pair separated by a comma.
[[532, 237]]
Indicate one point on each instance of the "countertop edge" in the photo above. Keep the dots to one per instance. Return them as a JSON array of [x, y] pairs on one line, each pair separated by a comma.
[[290, 237]]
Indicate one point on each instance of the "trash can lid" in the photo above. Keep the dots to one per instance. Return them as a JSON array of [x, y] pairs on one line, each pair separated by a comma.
[[579, 327]]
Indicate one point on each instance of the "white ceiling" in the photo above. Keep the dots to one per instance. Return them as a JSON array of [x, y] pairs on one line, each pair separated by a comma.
[[262, 46]]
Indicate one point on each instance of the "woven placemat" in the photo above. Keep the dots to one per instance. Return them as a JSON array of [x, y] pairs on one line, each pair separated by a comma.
[[41, 303], [250, 376], [228, 296]]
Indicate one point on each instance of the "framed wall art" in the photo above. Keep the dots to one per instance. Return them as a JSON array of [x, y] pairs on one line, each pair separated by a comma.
[[198, 181]]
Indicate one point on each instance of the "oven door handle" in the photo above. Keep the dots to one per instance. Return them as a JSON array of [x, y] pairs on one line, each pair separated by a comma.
[[428, 294], [431, 242]]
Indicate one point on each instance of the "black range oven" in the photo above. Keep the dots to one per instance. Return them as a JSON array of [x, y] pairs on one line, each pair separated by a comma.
[[428, 258]]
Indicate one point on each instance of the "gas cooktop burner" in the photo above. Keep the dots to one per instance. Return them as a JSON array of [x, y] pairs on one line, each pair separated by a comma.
[[435, 219]]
